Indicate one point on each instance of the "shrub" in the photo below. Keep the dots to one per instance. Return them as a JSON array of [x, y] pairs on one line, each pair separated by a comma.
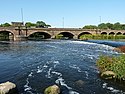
[[114, 63]]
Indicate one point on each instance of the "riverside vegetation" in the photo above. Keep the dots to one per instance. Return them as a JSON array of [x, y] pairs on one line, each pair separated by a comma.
[[114, 66], [102, 37]]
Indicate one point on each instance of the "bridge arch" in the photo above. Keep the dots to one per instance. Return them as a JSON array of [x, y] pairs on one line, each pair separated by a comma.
[[66, 35], [39, 35], [104, 33], [111, 33], [83, 34], [6, 35], [119, 33]]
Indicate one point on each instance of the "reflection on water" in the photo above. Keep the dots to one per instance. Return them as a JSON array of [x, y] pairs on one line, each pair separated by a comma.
[[35, 65]]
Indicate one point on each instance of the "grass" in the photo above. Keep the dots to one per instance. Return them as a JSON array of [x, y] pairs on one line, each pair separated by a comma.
[[114, 63], [102, 37]]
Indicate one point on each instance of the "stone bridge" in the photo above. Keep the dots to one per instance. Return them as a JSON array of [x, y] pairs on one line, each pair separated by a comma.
[[22, 33]]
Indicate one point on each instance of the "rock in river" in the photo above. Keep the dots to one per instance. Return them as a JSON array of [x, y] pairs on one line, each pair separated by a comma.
[[108, 75], [80, 83], [8, 88], [52, 90]]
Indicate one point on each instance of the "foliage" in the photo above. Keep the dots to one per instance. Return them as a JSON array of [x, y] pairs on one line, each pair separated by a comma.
[[59, 36], [29, 24], [41, 24], [5, 25], [102, 26], [38, 24], [102, 37], [114, 63], [105, 26], [90, 27]]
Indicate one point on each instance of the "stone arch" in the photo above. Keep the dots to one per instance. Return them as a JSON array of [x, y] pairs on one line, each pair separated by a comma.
[[83, 33], [66, 35], [111, 33], [39, 35], [119, 33], [6, 35], [104, 33]]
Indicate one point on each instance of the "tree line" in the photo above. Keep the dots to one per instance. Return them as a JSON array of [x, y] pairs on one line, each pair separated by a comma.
[[38, 24], [106, 26]]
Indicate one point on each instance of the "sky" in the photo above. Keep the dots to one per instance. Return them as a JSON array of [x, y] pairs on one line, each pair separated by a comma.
[[63, 13]]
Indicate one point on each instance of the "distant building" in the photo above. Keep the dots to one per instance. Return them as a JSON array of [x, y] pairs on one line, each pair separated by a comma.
[[16, 24]]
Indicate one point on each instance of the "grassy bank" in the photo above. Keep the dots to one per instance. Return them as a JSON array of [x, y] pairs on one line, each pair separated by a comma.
[[116, 64], [102, 37]]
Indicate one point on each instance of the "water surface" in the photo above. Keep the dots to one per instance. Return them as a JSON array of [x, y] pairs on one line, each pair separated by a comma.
[[35, 65]]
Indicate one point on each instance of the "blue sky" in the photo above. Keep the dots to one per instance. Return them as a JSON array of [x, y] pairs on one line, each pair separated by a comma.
[[76, 13]]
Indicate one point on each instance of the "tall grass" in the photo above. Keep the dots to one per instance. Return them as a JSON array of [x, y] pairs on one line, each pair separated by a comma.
[[114, 63]]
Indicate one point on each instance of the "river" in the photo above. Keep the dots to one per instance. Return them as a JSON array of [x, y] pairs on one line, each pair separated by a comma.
[[35, 65]]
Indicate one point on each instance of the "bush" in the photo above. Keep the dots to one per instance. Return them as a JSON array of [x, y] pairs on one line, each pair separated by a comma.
[[114, 63]]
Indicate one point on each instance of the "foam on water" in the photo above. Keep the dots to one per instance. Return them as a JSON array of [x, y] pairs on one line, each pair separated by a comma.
[[81, 42], [73, 92], [57, 73], [39, 70], [61, 81], [105, 85], [26, 86], [90, 56], [31, 74], [75, 67], [87, 74], [49, 73]]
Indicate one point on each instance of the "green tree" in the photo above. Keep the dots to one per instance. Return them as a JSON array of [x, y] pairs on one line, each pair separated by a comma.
[[117, 26], [5, 25], [29, 24], [109, 25], [102, 26], [40, 24], [123, 27], [47, 26], [90, 27]]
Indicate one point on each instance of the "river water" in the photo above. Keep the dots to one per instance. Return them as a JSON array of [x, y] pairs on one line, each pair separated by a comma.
[[35, 65]]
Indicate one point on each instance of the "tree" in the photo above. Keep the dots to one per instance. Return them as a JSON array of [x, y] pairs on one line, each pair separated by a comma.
[[47, 26], [117, 26], [5, 25], [40, 24], [90, 27], [123, 27], [29, 24], [102, 26], [109, 25]]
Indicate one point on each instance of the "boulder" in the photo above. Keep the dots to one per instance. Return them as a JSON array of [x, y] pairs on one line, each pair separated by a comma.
[[108, 75], [79, 83], [52, 90], [8, 88]]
